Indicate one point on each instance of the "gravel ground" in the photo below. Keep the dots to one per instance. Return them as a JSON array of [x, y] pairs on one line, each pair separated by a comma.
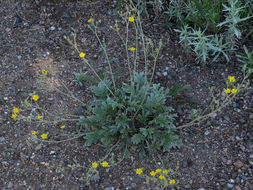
[[216, 154]]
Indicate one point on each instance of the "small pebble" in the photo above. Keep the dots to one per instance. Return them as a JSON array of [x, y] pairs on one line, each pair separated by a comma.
[[158, 74], [4, 163], [2, 139], [229, 162], [7, 30], [52, 28], [230, 185], [238, 188], [10, 185], [238, 164], [207, 133], [109, 188]]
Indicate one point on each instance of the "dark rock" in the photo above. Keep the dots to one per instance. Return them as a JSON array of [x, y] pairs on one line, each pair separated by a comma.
[[187, 163], [13, 91], [16, 22], [218, 163]]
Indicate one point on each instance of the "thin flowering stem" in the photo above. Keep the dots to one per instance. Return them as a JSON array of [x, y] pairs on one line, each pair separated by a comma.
[[136, 47], [52, 114], [98, 76], [150, 82], [143, 41], [126, 49], [69, 95], [34, 120], [60, 141], [125, 42], [106, 54], [109, 151], [155, 61], [86, 61], [227, 101]]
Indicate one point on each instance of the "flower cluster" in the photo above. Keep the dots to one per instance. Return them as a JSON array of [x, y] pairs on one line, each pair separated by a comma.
[[14, 114], [228, 90], [104, 164], [161, 174], [43, 136], [231, 80]]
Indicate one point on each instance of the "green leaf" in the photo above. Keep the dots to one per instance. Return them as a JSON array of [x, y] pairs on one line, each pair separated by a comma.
[[102, 89], [176, 89], [137, 138]]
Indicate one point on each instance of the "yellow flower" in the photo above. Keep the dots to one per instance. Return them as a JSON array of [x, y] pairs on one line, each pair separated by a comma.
[[234, 91], [40, 116], [227, 91], [44, 72], [139, 171], [158, 170], [90, 20], [15, 110], [34, 132], [44, 136], [152, 173], [82, 55], [14, 115], [35, 97], [131, 19], [94, 164], [62, 127], [161, 177], [132, 48], [104, 164], [165, 171], [231, 79], [118, 29], [172, 181]]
